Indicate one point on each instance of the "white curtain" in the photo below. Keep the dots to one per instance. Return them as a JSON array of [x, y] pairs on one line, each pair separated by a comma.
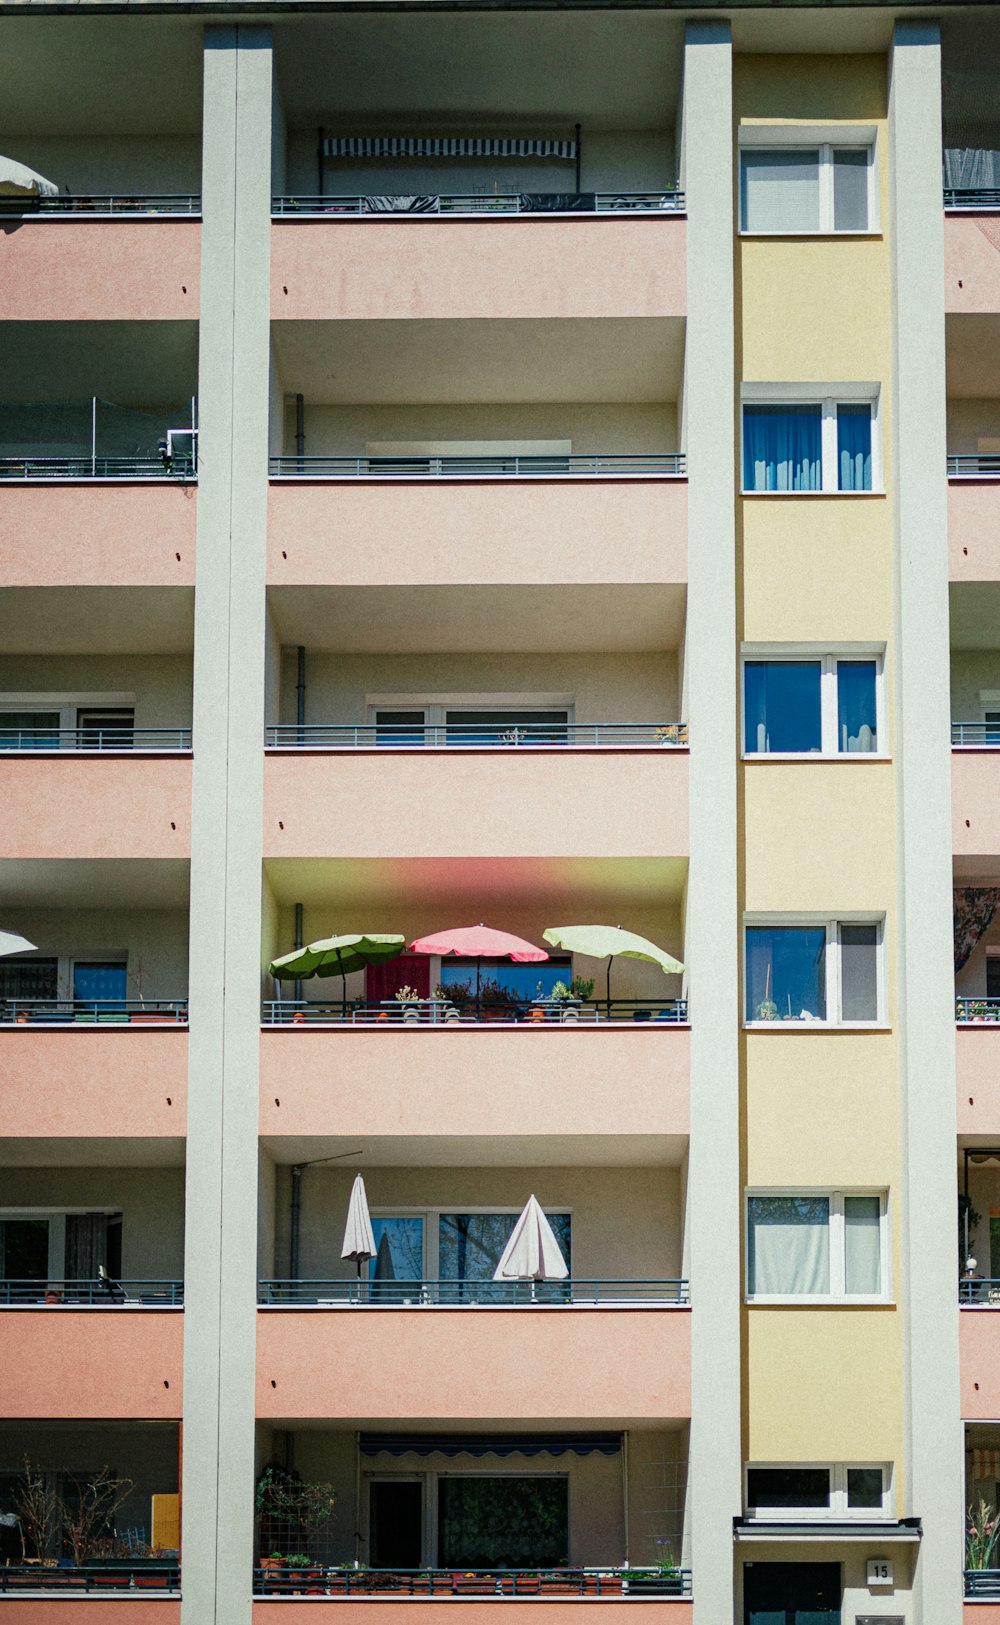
[[780, 190], [862, 1245], [789, 1248]]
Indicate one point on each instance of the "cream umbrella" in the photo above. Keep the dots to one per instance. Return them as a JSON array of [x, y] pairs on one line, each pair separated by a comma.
[[532, 1253], [359, 1238], [11, 942], [17, 180]]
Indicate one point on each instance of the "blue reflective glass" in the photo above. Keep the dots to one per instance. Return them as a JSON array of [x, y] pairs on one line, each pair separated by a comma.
[[856, 722], [782, 448], [781, 706], [786, 973], [854, 448], [102, 981], [501, 981], [399, 1249]]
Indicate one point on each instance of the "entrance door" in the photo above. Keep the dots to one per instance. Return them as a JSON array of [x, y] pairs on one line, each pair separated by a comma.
[[791, 1594], [397, 1523]]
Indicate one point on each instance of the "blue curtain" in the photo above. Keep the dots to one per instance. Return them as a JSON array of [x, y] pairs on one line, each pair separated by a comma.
[[781, 448], [854, 448]]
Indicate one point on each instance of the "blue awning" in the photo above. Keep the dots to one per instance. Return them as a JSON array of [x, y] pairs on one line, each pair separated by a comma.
[[490, 1444]]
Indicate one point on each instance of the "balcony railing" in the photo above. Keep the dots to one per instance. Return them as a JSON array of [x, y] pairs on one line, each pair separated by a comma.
[[321, 1580], [186, 203], [477, 736], [982, 1583], [983, 1292], [353, 1293], [971, 197], [85, 740], [179, 469], [113, 1574], [977, 1010], [631, 465], [480, 203], [105, 1294], [970, 466], [441, 1013], [94, 1012], [975, 733]]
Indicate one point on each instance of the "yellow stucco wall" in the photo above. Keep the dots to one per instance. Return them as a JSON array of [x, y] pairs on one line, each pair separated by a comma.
[[824, 1385]]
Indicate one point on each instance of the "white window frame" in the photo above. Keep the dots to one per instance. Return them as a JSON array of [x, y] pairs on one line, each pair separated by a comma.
[[821, 138], [67, 704], [827, 396], [831, 962], [828, 659], [837, 1244], [838, 1510], [435, 706]]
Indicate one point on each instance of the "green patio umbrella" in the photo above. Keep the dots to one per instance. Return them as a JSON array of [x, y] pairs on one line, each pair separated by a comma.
[[337, 956], [610, 942]]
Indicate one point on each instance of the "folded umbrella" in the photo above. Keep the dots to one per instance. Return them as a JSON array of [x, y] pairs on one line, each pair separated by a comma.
[[532, 1253], [359, 1238]]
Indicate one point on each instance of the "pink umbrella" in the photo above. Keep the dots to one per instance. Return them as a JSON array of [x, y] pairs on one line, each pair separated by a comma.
[[479, 942]]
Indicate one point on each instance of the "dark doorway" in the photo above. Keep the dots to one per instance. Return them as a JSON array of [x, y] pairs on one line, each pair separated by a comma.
[[397, 1517], [791, 1594]]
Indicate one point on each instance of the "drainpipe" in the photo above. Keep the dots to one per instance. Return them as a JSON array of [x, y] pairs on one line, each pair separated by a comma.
[[298, 944], [578, 157], [296, 1211], [300, 692], [300, 429]]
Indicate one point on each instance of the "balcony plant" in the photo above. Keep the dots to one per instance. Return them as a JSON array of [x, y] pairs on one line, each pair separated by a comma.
[[287, 1505], [982, 1536], [668, 735]]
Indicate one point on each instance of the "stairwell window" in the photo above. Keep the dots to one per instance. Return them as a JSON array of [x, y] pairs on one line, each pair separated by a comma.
[[818, 1246], [804, 1491], [792, 443], [800, 970], [794, 183], [803, 702]]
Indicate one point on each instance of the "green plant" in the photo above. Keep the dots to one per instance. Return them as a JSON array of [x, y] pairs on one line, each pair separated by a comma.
[[283, 1498], [766, 1010], [406, 994], [561, 992], [982, 1535], [298, 1560], [582, 987]]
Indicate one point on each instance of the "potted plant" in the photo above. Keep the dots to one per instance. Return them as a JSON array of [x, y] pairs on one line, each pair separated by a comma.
[[669, 735], [409, 1000], [286, 1505], [982, 1535]]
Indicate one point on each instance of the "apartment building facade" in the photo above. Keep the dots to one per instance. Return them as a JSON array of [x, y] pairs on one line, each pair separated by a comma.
[[523, 466]]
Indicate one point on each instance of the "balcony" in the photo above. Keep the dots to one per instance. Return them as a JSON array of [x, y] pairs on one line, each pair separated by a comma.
[[494, 205], [391, 1585], [640, 465]]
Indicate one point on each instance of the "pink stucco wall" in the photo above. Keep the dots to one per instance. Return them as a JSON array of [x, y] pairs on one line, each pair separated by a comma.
[[98, 535], [977, 1056], [974, 530], [461, 1611], [459, 1364], [394, 533], [96, 807], [510, 803], [93, 1610], [975, 802], [971, 263], [103, 1083], [973, 1613], [105, 1363], [979, 1344], [101, 271], [371, 270], [477, 1082]]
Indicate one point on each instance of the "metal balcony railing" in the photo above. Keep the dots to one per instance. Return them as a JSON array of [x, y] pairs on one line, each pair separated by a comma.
[[972, 197], [321, 1580], [82, 740], [179, 469], [94, 1012], [476, 736], [969, 466], [982, 1583], [632, 465], [984, 1292], [186, 203], [442, 1013], [352, 1293], [95, 1577], [91, 1294], [975, 733], [483, 203], [977, 1010]]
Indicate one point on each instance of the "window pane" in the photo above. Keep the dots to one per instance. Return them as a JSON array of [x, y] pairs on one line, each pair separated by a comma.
[[781, 448], [862, 1245], [782, 705], [788, 1487], [28, 978], [789, 1244], [501, 982], [850, 189], [399, 727], [856, 721], [854, 448], [470, 1245], [859, 973], [99, 981], [780, 190], [864, 1487], [786, 973], [24, 1249], [29, 730], [502, 1522], [398, 1264], [992, 976]]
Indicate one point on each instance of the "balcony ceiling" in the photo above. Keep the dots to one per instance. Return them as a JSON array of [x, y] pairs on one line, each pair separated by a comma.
[[55, 75], [140, 364], [973, 356], [91, 1153], [98, 883], [483, 1151], [455, 363], [96, 620], [479, 885], [475, 619]]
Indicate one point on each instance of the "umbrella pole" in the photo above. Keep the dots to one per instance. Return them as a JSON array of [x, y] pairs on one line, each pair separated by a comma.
[[609, 988], [479, 966]]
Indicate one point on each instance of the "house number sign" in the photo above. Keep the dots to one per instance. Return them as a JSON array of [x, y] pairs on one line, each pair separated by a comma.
[[879, 1571]]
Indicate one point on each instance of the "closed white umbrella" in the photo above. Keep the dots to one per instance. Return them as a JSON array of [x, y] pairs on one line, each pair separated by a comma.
[[17, 180], [532, 1253], [359, 1238], [12, 943]]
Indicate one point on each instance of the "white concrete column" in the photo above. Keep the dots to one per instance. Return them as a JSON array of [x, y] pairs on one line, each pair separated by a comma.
[[712, 937], [220, 1261], [933, 1489]]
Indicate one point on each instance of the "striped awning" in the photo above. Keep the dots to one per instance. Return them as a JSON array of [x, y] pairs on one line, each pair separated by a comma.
[[489, 1444], [443, 146]]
